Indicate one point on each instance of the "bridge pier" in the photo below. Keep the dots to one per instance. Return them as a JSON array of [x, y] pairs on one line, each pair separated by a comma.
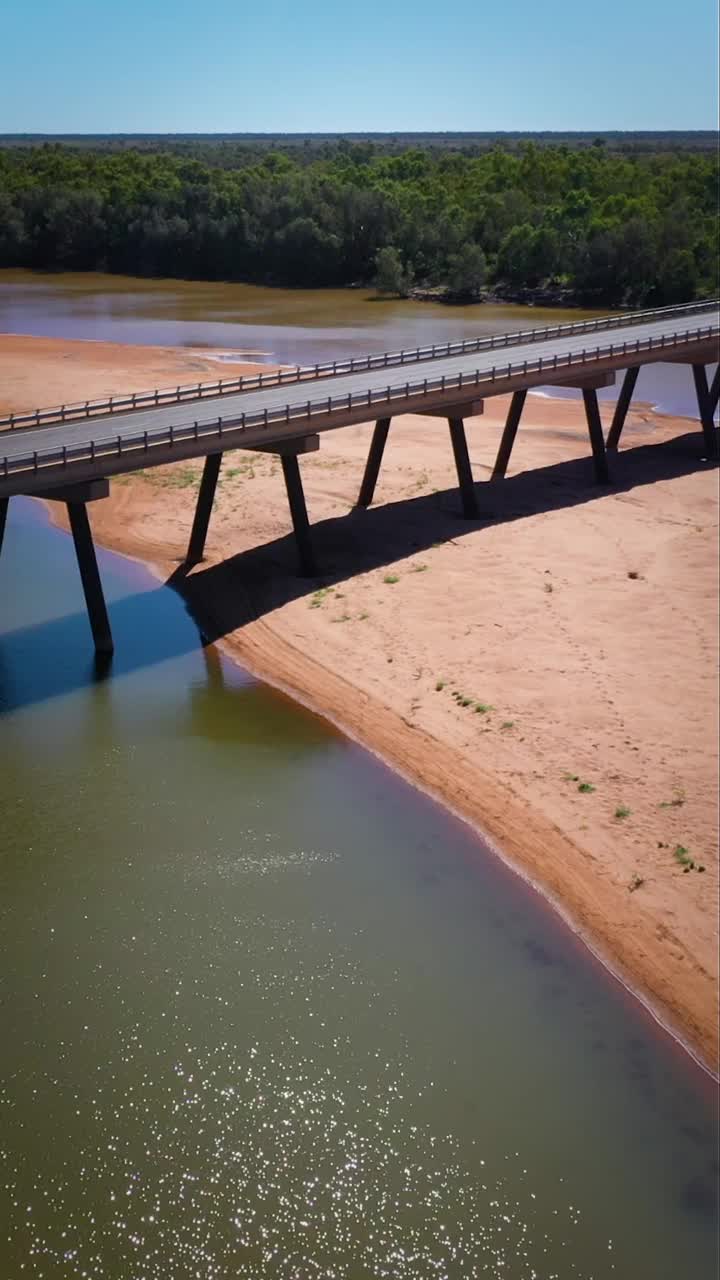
[[288, 451], [458, 440], [597, 439], [76, 498], [512, 422], [203, 509], [298, 512], [588, 384], [90, 577], [622, 406], [4, 504], [374, 458], [707, 398], [715, 391], [456, 422]]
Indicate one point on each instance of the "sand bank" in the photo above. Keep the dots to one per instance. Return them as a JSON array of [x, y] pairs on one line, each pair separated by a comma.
[[35, 372], [549, 672]]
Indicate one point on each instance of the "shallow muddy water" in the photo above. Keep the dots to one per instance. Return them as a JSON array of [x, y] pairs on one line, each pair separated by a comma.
[[270, 1012], [286, 326]]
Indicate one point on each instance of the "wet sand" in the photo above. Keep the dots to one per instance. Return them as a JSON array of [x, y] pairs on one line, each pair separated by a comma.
[[548, 672]]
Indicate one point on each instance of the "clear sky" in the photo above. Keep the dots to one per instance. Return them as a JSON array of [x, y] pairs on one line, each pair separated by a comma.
[[103, 66]]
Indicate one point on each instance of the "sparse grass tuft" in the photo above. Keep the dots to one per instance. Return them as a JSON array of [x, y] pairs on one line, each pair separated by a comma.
[[391, 578], [682, 856], [483, 707], [439, 685], [570, 777], [622, 811], [585, 788], [419, 568], [508, 724]]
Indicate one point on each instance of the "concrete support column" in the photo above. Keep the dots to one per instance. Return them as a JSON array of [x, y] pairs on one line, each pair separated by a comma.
[[374, 459], [90, 577], [463, 468], [595, 431], [203, 508], [298, 511], [622, 406], [517, 404], [706, 409], [715, 392], [4, 504]]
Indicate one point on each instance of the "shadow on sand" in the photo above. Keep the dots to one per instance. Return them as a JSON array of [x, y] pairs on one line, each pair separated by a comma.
[[52, 658]]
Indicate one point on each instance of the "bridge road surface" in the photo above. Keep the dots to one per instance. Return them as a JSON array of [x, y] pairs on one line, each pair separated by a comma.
[[34, 458], [71, 461]]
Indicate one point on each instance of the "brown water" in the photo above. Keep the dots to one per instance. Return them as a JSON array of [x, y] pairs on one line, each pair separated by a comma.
[[269, 1012], [285, 326]]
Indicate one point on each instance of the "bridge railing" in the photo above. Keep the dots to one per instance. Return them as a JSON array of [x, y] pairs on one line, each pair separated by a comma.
[[309, 411], [383, 360]]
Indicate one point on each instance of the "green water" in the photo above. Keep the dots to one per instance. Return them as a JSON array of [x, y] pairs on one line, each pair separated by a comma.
[[268, 1012]]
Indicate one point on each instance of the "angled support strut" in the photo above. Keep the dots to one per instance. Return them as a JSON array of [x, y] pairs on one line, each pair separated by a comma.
[[715, 391], [517, 404], [595, 431], [4, 504], [463, 468], [374, 459], [298, 511], [622, 406], [90, 577], [706, 408], [203, 508]]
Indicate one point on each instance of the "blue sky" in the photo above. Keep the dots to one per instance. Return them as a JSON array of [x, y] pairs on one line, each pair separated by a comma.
[[91, 66]]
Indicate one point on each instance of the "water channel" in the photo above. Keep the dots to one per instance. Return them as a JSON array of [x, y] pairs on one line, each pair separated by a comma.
[[269, 1012]]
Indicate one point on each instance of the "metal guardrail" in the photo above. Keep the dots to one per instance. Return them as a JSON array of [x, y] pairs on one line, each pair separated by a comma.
[[384, 360], [215, 428]]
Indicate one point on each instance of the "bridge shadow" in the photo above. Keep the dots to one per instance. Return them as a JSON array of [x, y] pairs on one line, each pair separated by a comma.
[[226, 596], [52, 658]]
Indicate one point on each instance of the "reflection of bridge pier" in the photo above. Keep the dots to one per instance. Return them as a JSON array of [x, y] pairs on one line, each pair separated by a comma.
[[68, 454]]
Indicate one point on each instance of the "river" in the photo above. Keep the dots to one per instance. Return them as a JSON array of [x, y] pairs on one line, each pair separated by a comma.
[[270, 1012], [281, 326]]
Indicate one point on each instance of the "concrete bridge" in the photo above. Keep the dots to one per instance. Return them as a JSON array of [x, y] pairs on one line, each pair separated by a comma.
[[69, 453]]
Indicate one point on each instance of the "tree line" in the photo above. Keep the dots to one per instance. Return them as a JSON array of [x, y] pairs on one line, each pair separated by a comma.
[[607, 227]]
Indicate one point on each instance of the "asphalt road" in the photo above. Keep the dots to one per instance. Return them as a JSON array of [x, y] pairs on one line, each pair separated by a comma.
[[23, 442]]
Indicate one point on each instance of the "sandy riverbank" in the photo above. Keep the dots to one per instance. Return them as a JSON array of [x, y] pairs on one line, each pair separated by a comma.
[[35, 372], [570, 638]]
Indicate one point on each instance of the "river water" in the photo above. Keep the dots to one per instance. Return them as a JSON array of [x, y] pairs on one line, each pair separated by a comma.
[[283, 326], [270, 1012]]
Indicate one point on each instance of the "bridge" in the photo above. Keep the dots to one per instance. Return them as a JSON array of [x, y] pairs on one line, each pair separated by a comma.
[[69, 453]]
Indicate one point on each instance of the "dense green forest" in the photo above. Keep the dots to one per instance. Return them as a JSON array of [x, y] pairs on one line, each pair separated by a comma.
[[605, 221]]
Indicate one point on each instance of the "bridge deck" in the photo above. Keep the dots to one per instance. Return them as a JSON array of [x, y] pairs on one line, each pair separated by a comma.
[[36, 457]]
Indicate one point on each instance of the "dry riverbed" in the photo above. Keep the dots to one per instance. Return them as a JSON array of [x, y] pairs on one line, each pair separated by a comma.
[[550, 671]]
